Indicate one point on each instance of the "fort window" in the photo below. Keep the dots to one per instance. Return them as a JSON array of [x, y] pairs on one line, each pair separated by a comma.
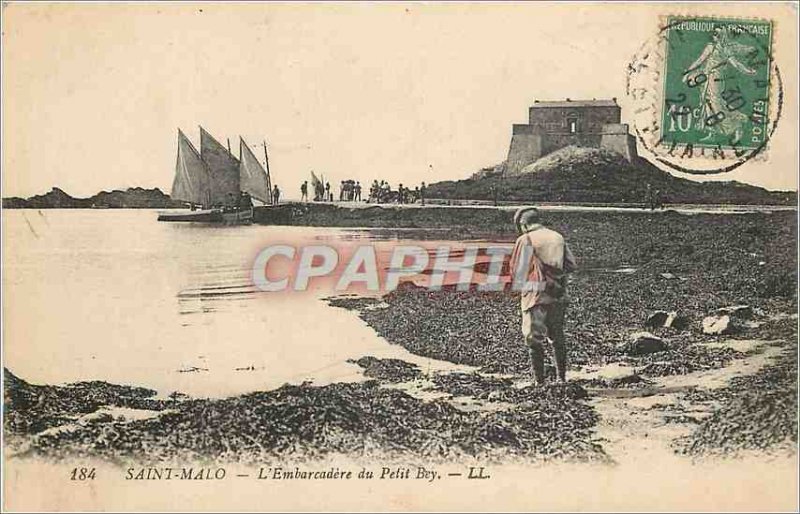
[[572, 123]]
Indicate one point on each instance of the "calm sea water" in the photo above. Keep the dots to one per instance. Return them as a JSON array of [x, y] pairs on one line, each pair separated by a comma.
[[115, 295]]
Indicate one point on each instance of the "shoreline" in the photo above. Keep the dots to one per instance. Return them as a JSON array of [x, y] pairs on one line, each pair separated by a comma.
[[472, 219]]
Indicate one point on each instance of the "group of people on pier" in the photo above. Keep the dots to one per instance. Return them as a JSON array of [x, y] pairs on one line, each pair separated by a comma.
[[322, 191], [382, 192], [350, 191]]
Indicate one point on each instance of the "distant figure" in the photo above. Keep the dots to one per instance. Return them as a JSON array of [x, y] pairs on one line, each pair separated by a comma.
[[245, 202], [383, 192], [276, 195], [401, 193], [304, 191], [328, 195], [422, 193], [658, 200], [374, 191], [319, 192], [342, 191], [357, 192], [543, 259]]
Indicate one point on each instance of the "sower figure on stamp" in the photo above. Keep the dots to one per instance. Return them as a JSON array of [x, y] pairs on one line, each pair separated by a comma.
[[539, 265]]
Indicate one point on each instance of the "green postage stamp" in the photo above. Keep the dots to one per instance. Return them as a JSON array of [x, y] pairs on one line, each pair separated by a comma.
[[716, 84]]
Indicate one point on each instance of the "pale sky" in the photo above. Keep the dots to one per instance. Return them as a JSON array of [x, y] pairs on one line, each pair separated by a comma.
[[93, 94]]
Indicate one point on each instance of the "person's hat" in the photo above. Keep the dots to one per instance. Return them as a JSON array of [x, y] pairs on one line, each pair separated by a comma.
[[525, 215]]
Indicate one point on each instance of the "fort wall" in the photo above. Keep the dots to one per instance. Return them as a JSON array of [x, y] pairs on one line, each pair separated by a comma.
[[524, 144], [555, 125]]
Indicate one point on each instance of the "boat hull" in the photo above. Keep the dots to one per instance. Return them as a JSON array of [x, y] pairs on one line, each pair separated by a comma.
[[243, 217]]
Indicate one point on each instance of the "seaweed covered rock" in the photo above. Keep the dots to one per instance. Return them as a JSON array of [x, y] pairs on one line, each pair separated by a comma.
[[657, 319], [664, 319], [390, 370], [676, 321], [736, 311], [644, 343]]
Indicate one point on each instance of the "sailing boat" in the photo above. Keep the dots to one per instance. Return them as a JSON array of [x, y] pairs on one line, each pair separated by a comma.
[[218, 187]]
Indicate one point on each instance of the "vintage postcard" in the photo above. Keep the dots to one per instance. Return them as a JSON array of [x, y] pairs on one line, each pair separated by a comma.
[[407, 256]]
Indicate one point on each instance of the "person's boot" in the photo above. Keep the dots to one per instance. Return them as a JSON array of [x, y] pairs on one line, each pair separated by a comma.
[[537, 365], [560, 354]]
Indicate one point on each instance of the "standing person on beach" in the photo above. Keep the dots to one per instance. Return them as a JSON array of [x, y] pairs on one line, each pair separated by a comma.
[[276, 195], [542, 258], [658, 200], [304, 191]]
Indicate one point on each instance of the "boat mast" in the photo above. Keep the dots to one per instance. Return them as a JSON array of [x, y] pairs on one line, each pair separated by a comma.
[[266, 168]]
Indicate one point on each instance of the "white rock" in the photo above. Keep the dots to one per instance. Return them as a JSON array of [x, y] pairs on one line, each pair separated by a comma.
[[717, 325]]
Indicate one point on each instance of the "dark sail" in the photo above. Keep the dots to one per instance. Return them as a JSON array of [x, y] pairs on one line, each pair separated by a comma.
[[252, 177], [192, 181], [223, 169]]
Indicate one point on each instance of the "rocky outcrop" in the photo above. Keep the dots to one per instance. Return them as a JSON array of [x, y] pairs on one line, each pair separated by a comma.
[[576, 174], [56, 198], [664, 319], [131, 198], [644, 343]]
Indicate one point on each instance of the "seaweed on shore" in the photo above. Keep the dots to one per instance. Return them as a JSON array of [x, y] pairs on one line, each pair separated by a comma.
[[685, 359], [390, 370], [758, 412], [629, 381], [482, 387], [33, 408], [471, 384], [717, 260], [359, 420]]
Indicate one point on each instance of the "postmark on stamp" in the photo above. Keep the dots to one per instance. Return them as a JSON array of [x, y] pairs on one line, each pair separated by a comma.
[[707, 93]]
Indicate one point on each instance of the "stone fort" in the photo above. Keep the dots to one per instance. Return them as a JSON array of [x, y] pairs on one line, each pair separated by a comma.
[[555, 124]]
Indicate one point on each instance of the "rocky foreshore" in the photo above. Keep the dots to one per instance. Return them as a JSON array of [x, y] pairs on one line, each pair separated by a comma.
[[731, 388], [294, 423], [642, 302]]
